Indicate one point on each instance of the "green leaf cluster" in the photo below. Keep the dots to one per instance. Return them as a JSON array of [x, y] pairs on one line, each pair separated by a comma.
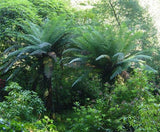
[[23, 105], [130, 106]]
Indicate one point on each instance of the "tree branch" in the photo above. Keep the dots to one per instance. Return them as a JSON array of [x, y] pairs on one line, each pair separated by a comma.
[[114, 12]]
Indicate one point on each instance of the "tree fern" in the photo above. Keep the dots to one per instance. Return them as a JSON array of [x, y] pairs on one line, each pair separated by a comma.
[[41, 43], [110, 50]]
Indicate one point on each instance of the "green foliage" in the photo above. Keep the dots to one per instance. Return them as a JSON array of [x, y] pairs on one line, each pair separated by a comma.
[[23, 105], [43, 125], [136, 18], [12, 12], [40, 51], [87, 119], [44, 42], [64, 95], [130, 106], [84, 17], [107, 50], [147, 119], [35, 40], [130, 99], [88, 87], [15, 11], [50, 8], [11, 126]]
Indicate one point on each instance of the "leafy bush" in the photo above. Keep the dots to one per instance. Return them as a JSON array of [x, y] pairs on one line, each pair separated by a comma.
[[147, 118], [87, 119], [129, 102], [21, 104], [65, 94], [12, 12], [130, 106], [15, 11], [43, 125], [49, 8], [11, 126]]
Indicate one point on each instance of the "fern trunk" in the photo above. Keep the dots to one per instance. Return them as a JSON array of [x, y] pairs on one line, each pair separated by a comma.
[[49, 98], [47, 83]]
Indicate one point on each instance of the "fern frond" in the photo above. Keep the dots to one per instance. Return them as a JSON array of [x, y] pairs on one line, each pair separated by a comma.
[[34, 38], [71, 50], [76, 60], [117, 71], [38, 52], [102, 57], [148, 68], [143, 57], [11, 48]]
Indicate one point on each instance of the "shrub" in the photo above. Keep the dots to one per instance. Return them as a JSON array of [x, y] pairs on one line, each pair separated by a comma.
[[11, 126], [131, 106], [65, 94], [23, 105], [49, 8], [87, 119], [43, 125], [147, 118], [11, 13]]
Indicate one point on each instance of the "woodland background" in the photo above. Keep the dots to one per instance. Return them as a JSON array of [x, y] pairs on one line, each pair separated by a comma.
[[91, 66]]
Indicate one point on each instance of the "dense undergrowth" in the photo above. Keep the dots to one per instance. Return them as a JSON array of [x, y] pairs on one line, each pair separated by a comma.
[[69, 70]]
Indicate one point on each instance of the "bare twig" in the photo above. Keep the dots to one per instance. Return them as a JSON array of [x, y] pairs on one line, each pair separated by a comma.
[[114, 12]]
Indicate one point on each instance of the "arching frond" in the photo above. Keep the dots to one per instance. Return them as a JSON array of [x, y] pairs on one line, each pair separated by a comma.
[[76, 60], [116, 72], [103, 56], [39, 40]]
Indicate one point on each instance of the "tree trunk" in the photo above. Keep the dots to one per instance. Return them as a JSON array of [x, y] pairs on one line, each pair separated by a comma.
[[49, 98], [47, 84]]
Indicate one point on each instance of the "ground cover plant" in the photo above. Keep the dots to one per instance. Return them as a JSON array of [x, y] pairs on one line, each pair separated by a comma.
[[63, 69]]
